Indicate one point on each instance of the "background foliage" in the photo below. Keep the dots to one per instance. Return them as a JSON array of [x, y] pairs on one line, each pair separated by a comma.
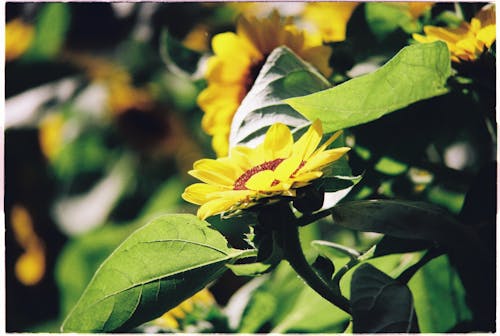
[[102, 125]]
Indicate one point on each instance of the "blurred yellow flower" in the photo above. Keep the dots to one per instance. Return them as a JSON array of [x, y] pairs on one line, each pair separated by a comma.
[[197, 38], [170, 319], [18, 37], [468, 41], [50, 135], [330, 18], [276, 167], [416, 9], [238, 59], [30, 266]]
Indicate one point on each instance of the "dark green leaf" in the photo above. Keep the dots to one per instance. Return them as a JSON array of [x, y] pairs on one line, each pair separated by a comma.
[[156, 268], [284, 75], [380, 304], [390, 245], [417, 72], [336, 183], [51, 27], [178, 58], [324, 268], [404, 219]]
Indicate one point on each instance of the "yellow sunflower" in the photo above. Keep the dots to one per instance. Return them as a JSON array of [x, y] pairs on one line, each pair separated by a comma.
[[236, 63], [276, 167], [468, 41]]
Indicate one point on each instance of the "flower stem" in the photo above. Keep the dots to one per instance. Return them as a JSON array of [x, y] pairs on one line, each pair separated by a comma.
[[290, 244]]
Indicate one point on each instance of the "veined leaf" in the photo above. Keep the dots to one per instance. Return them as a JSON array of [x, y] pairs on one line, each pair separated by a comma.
[[156, 268], [417, 72], [380, 304], [283, 75]]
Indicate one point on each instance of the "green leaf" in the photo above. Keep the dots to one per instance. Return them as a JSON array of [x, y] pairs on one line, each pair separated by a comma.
[[261, 308], [417, 72], [385, 18], [380, 304], [179, 59], [156, 268], [333, 250], [404, 219], [283, 75], [439, 297], [52, 24]]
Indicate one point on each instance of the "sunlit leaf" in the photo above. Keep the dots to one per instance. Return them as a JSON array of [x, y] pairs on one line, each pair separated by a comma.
[[439, 296], [417, 72], [380, 304], [284, 75], [155, 269]]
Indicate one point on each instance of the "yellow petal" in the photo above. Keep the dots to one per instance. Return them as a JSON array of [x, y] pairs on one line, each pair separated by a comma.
[[322, 159], [286, 168], [214, 207], [309, 176], [199, 193], [213, 178], [487, 35], [278, 142], [306, 145], [223, 167], [261, 181]]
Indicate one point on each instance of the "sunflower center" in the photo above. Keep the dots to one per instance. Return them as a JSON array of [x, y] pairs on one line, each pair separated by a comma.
[[269, 165]]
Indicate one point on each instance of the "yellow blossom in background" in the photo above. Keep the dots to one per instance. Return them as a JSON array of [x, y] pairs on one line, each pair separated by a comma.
[[122, 94], [18, 37], [417, 9], [197, 38], [50, 135], [468, 41], [276, 167], [238, 58], [170, 319], [30, 266], [330, 18]]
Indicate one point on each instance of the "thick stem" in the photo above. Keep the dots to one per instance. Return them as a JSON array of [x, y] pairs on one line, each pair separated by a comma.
[[290, 243]]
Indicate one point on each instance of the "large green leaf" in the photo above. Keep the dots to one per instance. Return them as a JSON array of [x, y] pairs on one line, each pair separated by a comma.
[[283, 75], [155, 269], [417, 72], [380, 304], [83, 254]]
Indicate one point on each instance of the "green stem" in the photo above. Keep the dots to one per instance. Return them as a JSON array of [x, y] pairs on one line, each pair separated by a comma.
[[293, 254]]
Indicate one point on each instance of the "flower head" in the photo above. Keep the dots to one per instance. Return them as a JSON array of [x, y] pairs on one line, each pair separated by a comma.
[[277, 167], [468, 41], [236, 63]]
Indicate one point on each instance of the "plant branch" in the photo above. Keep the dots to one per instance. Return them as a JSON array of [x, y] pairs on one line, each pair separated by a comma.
[[290, 243]]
